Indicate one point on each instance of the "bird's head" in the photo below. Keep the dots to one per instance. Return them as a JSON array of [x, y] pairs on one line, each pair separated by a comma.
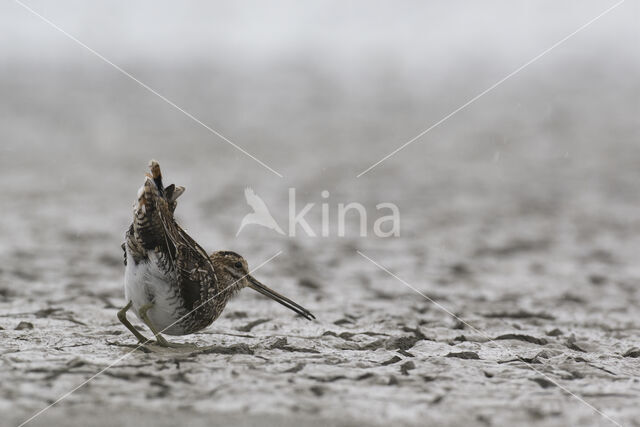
[[232, 271]]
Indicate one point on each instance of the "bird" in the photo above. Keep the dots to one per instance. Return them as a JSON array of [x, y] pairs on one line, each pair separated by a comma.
[[170, 282], [260, 214]]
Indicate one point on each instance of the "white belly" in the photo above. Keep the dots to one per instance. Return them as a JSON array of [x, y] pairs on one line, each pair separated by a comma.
[[145, 283]]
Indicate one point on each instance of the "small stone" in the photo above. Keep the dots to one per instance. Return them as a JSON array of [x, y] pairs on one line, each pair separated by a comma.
[[459, 325], [317, 390], [543, 354], [460, 269], [406, 367], [24, 325], [572, 344], [405, 353], [522, 337], [391, 361], [401, 343], [597, 279], [365, 376], [307, 282], [464, 355], [543, 382]]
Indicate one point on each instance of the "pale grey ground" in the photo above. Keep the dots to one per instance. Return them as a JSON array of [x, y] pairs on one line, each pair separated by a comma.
[[520, 215]]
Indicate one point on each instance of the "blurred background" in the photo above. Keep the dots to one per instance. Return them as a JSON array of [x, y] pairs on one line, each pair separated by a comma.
[[319, 92], [524, 197]]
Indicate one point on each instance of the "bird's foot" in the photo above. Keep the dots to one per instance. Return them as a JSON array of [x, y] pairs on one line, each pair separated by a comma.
[[162, 342]]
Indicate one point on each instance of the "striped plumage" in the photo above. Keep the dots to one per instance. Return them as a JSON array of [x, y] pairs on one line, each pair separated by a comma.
[[170, 281]]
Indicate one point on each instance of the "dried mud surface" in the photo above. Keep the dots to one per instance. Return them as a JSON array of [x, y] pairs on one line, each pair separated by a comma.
[[520, 217]]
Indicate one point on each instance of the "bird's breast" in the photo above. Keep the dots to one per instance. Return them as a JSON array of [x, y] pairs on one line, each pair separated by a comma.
[[151, 282]]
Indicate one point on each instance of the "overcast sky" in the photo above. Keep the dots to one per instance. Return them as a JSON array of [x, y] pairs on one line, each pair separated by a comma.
[[413, 31]]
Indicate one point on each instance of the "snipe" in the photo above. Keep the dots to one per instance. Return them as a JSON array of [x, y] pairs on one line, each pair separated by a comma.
[[170, 282]]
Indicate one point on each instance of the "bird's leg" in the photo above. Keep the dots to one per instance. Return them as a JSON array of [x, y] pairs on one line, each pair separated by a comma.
[[159, 338], [145, 318], [122, 316]]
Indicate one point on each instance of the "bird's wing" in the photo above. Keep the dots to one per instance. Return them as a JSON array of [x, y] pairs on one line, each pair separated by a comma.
[[154, 228], [194, 270]]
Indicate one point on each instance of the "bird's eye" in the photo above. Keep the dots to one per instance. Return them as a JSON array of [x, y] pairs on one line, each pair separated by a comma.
[[238, 264]]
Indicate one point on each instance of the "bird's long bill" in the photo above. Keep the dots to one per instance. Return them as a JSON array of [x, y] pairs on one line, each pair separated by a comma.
[[254, 284]]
